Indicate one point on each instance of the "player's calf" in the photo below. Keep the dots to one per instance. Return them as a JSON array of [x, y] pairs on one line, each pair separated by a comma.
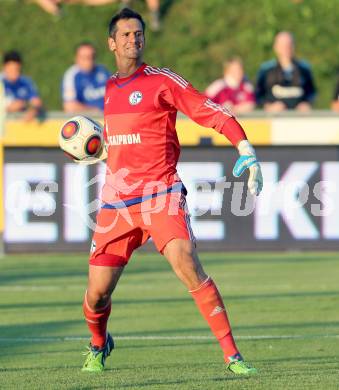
[[97, 322]]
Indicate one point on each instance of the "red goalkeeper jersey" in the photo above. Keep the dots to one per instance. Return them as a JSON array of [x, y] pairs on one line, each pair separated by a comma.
[[140, 115]]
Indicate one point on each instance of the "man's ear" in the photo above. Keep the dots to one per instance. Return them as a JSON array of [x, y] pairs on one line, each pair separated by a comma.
[[111, 44]]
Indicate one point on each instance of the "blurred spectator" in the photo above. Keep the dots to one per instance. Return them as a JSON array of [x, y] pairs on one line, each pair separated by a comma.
[[154, 12], [335, 102], [50, 6], [233, 90], [54, 6], [20, 92], [2, 108], [83, 85], [285, 83]]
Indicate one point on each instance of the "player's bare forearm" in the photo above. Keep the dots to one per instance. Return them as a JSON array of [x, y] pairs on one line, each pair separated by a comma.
[[35, 108], [71, 107], [31, 113], [275, 107], [16, 106], [304, 107]]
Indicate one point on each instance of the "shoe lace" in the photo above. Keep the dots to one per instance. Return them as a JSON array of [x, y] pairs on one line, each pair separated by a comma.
[[243, 364], [240, 363], [90, 350], [87, 352]]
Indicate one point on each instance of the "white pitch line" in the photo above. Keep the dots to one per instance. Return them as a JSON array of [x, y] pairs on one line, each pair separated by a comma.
[[143, 338]]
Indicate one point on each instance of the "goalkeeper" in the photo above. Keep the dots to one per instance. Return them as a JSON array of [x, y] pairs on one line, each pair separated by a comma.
[[141, 105]]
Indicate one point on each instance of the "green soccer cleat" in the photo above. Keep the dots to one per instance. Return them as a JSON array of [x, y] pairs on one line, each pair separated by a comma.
[[95, 361], [239, 367]]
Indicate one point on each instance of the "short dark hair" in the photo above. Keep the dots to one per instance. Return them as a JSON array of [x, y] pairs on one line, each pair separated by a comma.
[[125, 13], [12, 55]]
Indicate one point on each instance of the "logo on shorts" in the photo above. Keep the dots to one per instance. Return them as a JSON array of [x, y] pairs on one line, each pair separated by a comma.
[[93, 246], [135, 98]]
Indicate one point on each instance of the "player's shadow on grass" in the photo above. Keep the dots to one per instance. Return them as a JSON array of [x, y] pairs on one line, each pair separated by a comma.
[[151, 301], [41, 305], [248, 259], [57, 274], [170, 366], [48, 349], [168, 300], [39, 329], [165, 382], [177, 331], [173, 344], [78, 304], [312, 359], [38, 369], [38, 275], [228, 298]]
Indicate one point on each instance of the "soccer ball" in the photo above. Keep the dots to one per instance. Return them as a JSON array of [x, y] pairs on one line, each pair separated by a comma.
[[81, 139]]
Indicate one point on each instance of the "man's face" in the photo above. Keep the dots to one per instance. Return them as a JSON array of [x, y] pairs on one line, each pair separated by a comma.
[[12, 70], [85, 58], [129, 40], [235, 70], [284, 45]]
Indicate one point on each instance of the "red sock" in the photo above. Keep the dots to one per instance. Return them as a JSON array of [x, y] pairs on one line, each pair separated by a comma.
[[97, 323], [212, 308]]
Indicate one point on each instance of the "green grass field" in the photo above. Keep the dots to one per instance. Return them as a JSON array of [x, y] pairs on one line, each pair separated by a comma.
[[284, 309]]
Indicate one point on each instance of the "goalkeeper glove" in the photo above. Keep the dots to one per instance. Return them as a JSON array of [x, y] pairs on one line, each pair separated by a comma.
[[248, 160]]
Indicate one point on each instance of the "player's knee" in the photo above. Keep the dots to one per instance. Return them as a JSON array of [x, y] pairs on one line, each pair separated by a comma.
[[97, 300]]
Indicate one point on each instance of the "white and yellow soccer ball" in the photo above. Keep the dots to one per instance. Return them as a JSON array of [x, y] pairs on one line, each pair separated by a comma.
[[82, 140]]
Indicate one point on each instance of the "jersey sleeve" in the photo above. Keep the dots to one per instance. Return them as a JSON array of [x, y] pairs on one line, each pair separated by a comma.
[[182, 96], [68, 86], [32, 89]]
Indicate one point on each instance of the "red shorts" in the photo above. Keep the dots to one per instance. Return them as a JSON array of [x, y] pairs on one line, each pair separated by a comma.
[[119, 231]]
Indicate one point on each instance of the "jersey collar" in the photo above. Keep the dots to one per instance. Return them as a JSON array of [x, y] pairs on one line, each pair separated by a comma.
[[120, 82]]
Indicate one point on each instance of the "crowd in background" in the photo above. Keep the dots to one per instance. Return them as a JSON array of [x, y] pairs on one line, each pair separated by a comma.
[[54, 7], [284, 83]]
